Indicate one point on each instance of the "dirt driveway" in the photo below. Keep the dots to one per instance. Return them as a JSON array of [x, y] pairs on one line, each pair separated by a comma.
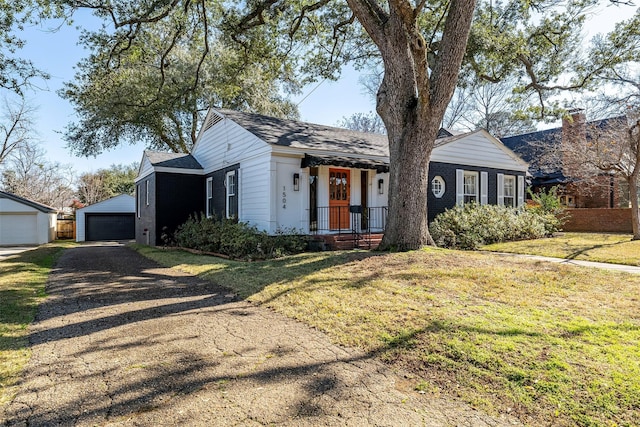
[[122, 341]]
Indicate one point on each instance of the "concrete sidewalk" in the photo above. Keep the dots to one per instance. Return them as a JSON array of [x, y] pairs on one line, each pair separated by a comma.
[[121, 341], [7, 251]]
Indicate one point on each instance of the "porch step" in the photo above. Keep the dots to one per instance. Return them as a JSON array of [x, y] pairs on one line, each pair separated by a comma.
[[349, 241]]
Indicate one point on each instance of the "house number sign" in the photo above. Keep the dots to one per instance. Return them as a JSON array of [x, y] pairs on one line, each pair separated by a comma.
[[284, 197]]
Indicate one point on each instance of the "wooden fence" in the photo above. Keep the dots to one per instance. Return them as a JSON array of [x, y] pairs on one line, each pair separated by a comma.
[[66, 229]]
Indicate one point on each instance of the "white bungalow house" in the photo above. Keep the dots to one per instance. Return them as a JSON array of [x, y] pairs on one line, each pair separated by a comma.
[[280, 174]]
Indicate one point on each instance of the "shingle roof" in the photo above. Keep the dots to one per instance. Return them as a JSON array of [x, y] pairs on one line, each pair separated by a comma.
[[526, 145], [172, 160], [31, 203], [298, 134], [530, 146]]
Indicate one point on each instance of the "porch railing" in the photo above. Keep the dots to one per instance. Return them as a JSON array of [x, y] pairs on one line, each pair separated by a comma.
[[348, 220]]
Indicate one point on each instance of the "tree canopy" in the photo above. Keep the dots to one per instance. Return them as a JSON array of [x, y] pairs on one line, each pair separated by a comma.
[[166, 47], [154, 84], [94, 187]]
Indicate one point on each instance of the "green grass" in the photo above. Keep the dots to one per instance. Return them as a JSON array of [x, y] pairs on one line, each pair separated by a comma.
[[22, 288], [600, 247], [550, 344]]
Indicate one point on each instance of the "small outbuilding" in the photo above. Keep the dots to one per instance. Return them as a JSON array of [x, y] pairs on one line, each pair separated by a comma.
[[25, 222], [111, 219]]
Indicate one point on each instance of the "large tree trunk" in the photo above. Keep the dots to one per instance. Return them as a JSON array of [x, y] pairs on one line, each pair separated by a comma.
[[411, 138], [410, 150], [411, 101]]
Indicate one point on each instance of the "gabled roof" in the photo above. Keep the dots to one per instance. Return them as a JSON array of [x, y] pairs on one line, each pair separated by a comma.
[[118, 202], [530, 146], [527, 145], [298, 134], [483, 155], [445, 132], [27, 202], [323, 145], [172, 160]]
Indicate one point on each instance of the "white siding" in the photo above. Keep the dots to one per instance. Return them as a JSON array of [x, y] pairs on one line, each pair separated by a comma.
[[291, 206], [253, 201], [24, 225], [146, 168], [226, 144], [376, 199], [477, 149], [123, 203]]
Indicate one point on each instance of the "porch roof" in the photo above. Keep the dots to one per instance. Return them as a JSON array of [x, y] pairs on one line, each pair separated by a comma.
[[348, 162]]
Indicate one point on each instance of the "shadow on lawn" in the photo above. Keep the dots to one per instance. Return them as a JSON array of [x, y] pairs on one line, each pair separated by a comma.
[[586, 249], [248, 278], [98, 292]]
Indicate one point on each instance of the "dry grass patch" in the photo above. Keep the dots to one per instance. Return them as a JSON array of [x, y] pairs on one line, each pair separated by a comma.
[[22, 284], [552, 344], [600, 247]]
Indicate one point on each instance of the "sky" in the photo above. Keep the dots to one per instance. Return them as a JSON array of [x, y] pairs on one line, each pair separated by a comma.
[[57, 53]]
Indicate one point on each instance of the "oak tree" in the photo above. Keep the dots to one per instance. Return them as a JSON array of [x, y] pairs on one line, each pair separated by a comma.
[[423, 45]]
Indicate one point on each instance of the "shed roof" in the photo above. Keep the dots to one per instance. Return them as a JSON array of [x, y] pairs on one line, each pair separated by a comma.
[[172, 160], [27, 202]]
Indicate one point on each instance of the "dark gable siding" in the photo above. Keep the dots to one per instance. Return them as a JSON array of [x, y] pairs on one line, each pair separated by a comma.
[[219, 199], [448, 172], [147, 220], [177, 197], [448, 199]]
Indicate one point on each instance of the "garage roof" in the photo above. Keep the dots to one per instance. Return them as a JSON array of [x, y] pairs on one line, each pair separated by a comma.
[[27, 202]]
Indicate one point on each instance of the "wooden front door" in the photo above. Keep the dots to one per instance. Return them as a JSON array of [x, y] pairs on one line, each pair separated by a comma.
[[339, 198]]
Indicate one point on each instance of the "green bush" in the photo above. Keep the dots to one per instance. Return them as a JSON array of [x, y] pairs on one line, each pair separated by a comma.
[[235, 239], [471, 225]]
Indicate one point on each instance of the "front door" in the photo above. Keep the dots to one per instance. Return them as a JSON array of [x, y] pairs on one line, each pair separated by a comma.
[[339, 198]]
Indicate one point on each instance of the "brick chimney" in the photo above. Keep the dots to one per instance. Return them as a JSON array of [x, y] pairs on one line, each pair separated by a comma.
[[574, 126], [574, 140]]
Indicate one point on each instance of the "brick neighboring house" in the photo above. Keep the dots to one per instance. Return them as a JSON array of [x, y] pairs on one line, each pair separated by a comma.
[[549, 165], [599, 203]]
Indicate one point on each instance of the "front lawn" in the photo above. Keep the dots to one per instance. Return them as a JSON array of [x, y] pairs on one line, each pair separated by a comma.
[[600, 247], [552, 344], [22, 283]]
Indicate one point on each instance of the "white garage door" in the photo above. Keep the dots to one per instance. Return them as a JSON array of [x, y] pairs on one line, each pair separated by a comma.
[[18, 229]]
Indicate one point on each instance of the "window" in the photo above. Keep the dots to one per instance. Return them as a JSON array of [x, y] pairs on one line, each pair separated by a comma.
[[509, 191], [338, 186], [232, 204], [470, 187], [568, 201], [437, 186], [146, 189], [209, 201]]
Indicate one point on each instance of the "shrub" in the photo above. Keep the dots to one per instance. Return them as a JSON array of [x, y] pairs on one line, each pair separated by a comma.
[[235, 239], [471, 225]]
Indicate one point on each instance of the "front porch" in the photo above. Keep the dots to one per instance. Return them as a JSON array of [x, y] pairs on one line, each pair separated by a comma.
[[348, 227]]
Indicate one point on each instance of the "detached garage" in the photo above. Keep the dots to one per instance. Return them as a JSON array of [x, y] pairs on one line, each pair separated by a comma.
[[25, 222], [111, 219]]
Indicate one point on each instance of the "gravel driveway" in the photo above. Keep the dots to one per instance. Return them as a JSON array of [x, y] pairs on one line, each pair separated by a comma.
[[122, 341]]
